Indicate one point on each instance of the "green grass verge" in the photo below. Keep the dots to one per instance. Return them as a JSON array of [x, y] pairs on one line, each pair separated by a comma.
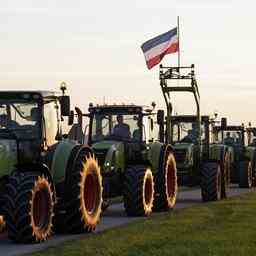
[[220, 228]]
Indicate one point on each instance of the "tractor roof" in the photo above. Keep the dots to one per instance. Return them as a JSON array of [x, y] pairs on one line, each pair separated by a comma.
[[26, 95], [230, 128], [125, 109], [188, 118]]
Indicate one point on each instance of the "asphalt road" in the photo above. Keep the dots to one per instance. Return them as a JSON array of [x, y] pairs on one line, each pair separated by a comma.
[[113, 217]]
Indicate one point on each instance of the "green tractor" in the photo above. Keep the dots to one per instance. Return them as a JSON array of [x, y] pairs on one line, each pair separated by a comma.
[[45, 178], [243, 157], [199, 162], [136, 163]]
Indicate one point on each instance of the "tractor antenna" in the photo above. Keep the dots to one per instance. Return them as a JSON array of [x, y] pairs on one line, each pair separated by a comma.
[[63, 87]]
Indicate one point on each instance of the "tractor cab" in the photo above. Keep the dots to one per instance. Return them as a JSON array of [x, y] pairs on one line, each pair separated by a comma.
[[124, 128], [232, 136], [30, 122], [125, 123], [189, 140]]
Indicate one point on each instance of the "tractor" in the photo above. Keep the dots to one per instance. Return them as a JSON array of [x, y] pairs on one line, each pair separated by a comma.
[[243, 157], [199, 162], [136, 163], [45, 178]]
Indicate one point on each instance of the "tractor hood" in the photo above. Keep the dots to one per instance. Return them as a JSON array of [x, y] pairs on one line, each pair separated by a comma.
[[105, 144], [109, 154], [8, 156], [183, 155]]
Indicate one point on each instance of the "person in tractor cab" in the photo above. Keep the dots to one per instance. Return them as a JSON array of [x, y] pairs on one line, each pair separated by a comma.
[[5, 123], [121, 129], [190, 137], [229, 140], [137, 133]]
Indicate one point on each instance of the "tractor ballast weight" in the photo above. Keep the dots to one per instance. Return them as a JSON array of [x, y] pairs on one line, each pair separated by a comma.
[[46, 180], [194, 154], [134, 164]]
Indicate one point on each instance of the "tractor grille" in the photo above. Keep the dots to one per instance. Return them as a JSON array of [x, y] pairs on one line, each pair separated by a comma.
[[100, 155], [180, 155]]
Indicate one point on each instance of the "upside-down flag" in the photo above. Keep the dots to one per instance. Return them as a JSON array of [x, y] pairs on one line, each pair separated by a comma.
[[156, 48]]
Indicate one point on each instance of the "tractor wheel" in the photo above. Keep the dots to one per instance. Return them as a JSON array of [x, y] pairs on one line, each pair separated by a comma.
[[245, 174], [83, 195], [31, 212], [3, 183], [9, 206], [225, 181], [138, 191], [166, 184], [211, 181]]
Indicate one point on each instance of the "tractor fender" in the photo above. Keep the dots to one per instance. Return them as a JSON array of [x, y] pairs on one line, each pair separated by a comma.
[[60, 159], [154, 154], [165, 149], [157, 154], [72, 161]]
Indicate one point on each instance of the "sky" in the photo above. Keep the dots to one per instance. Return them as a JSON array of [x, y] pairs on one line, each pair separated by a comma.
[[94, 46]]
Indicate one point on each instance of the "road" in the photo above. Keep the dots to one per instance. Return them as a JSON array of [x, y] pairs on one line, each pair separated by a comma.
[[113, 217]]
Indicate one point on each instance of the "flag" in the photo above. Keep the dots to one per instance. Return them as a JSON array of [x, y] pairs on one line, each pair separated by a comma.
[[156, 48]]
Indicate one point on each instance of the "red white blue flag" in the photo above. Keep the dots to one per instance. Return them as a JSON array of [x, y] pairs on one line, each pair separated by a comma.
[[156, 48]]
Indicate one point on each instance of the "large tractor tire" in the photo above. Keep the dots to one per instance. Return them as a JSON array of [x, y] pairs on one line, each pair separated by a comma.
[[225, 175], [30, 208], [245, 174], [83, 194], [211, 181], [166, 185], [138, 191], [3, 183], [9, 206]]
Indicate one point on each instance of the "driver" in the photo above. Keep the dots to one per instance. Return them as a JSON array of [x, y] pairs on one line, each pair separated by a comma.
[[121, 129], [229, 140], [3, 120], [190, 137]]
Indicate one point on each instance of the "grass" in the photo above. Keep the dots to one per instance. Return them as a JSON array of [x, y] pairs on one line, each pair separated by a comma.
[[220, 228]]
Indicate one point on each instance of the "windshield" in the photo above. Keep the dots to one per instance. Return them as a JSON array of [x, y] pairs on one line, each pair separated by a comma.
[[19, 117], [186, 132], [116, 127], [230, 137]]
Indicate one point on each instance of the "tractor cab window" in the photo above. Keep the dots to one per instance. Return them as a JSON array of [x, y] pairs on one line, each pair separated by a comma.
[[232, 137], [115, 127], [184, 132], [51, 122], [20, 117]]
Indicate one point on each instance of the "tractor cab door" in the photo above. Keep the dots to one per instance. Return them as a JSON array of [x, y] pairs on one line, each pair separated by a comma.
[[51, 123]]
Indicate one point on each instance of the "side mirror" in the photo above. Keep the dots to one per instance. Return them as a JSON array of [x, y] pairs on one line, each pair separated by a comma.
[[71, 117], [160, 117], [65, 105], [223, 122]]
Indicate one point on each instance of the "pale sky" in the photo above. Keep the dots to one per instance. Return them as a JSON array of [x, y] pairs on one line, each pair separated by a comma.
[[94, 46]]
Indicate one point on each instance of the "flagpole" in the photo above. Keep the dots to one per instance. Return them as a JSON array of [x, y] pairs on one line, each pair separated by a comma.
[[178, 32]]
